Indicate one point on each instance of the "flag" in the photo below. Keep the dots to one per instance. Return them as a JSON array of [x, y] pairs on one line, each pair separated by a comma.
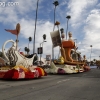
[[12, 31]]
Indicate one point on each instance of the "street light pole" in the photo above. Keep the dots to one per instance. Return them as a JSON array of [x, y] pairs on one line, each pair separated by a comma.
[[68, 17], [90, 53], [42, 48], [56, 3], [40, 55], [76, 48]]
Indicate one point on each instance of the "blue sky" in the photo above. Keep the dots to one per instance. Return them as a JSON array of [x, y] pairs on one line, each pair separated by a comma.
[[84, 23]]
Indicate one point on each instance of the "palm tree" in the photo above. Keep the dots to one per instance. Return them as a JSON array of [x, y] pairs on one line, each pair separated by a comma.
[[35, 28], [1, 54], [68, 17], [44, 36], [28, 50], [30, 39], [25, 49], [90, 52]]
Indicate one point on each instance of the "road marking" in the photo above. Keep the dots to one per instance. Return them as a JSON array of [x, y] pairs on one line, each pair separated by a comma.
[[66, 80], [63, 80], [59, 82], [32, 87]]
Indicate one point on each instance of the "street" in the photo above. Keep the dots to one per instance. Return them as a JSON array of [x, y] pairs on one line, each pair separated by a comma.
[[81, 86]]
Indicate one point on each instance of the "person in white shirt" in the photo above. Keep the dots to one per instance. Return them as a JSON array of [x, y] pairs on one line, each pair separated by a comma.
[[70, 36]]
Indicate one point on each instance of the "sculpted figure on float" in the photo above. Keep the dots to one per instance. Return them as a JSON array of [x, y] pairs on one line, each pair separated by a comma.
[[14, 57], [66, 47]]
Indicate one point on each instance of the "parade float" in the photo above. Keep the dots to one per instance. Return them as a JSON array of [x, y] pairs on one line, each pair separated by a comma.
[[65, 64], [17, 65]]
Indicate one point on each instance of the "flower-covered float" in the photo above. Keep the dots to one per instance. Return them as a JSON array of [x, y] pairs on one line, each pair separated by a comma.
[[66, 62], [20, 72], [16, 65]]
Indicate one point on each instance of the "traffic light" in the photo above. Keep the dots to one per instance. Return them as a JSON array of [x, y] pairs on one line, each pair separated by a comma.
[[40, 50]]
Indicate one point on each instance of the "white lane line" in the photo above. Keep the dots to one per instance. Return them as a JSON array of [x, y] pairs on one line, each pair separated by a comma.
[[66, 80], [63, 80]]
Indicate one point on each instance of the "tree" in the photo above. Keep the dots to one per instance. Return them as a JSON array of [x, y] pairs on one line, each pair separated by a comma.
[[44, 37], [30, 39], [26, 50], [1, 54]]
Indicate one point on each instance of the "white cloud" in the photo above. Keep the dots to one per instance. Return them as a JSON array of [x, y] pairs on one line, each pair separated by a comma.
[[13, 14], [78, 9], [92, 33], [26, 6], [43, 27], [92, 28]]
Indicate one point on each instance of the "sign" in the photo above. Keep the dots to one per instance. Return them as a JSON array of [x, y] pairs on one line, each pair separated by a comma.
[[55, 36], [40, 50], [48, 57]]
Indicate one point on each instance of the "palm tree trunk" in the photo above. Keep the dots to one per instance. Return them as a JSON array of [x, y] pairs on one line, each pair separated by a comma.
[[35, 28]]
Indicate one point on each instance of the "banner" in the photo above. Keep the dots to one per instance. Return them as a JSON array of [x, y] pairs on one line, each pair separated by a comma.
[[48, 57], [55, 37]]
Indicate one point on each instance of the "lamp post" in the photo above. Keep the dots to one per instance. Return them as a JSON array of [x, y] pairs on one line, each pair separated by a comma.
[[90, 53], [68, 17], [42, 50], [56, 3], [44, 38], [75, 42], [35, 28]]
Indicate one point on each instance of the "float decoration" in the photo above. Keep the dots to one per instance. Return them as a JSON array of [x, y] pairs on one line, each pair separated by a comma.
[[65, 64], [15, 32], [17, 66], [20, 72]]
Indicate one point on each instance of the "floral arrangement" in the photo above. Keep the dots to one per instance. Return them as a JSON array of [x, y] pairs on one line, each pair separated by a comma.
[[20, 72]]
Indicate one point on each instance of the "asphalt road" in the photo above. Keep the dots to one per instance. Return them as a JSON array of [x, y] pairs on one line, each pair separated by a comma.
[[82, 86]]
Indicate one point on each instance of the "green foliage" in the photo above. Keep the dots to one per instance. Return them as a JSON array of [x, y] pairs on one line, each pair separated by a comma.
[[27, 50], [1, 54]]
